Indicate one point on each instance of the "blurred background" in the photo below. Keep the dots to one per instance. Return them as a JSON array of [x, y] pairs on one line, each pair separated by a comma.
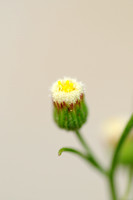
[[41, 41]]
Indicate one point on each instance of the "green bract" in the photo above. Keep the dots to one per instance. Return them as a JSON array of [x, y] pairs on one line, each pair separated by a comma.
[[71, 118]]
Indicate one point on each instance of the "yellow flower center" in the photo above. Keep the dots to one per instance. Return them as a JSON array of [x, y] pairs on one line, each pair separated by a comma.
[[66, 86]]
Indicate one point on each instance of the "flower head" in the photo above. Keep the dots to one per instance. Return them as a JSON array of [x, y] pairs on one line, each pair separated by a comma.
[[70, 110], [67, 90]]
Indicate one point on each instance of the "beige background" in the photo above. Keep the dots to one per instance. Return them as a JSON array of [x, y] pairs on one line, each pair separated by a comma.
[[41, 41]]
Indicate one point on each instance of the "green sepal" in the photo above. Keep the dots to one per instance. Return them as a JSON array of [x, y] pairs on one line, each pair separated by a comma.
[[71, 119]]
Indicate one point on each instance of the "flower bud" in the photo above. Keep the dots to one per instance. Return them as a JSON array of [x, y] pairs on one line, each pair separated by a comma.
[[70, 110]]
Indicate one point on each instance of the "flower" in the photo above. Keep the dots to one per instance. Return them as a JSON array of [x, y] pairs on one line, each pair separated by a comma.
[[113, 128], [70, 110], [112, 131], [67, 90]]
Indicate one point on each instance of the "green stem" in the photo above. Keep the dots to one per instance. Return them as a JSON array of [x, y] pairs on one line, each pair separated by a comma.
[[112, 170], [82, 141], [77, 152], [124, 135], [91, 156], [72, 150], [130, 178], [112, 188], [86, 157]]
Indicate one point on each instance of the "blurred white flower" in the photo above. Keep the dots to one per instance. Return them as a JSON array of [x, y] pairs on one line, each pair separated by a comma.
[[113, 128]]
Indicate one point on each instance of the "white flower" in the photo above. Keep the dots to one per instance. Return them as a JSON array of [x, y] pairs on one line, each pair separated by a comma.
[[113, 128], [67, 91]]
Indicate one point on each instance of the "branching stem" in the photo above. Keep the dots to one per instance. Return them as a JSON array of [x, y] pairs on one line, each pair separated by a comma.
[[91, 159]]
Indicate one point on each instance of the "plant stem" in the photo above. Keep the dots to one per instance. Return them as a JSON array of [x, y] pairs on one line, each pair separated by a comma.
[[112, 170], [90, 155], [130, 178], [124, 135], [82, 141], [74, 151], [112, 188]]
